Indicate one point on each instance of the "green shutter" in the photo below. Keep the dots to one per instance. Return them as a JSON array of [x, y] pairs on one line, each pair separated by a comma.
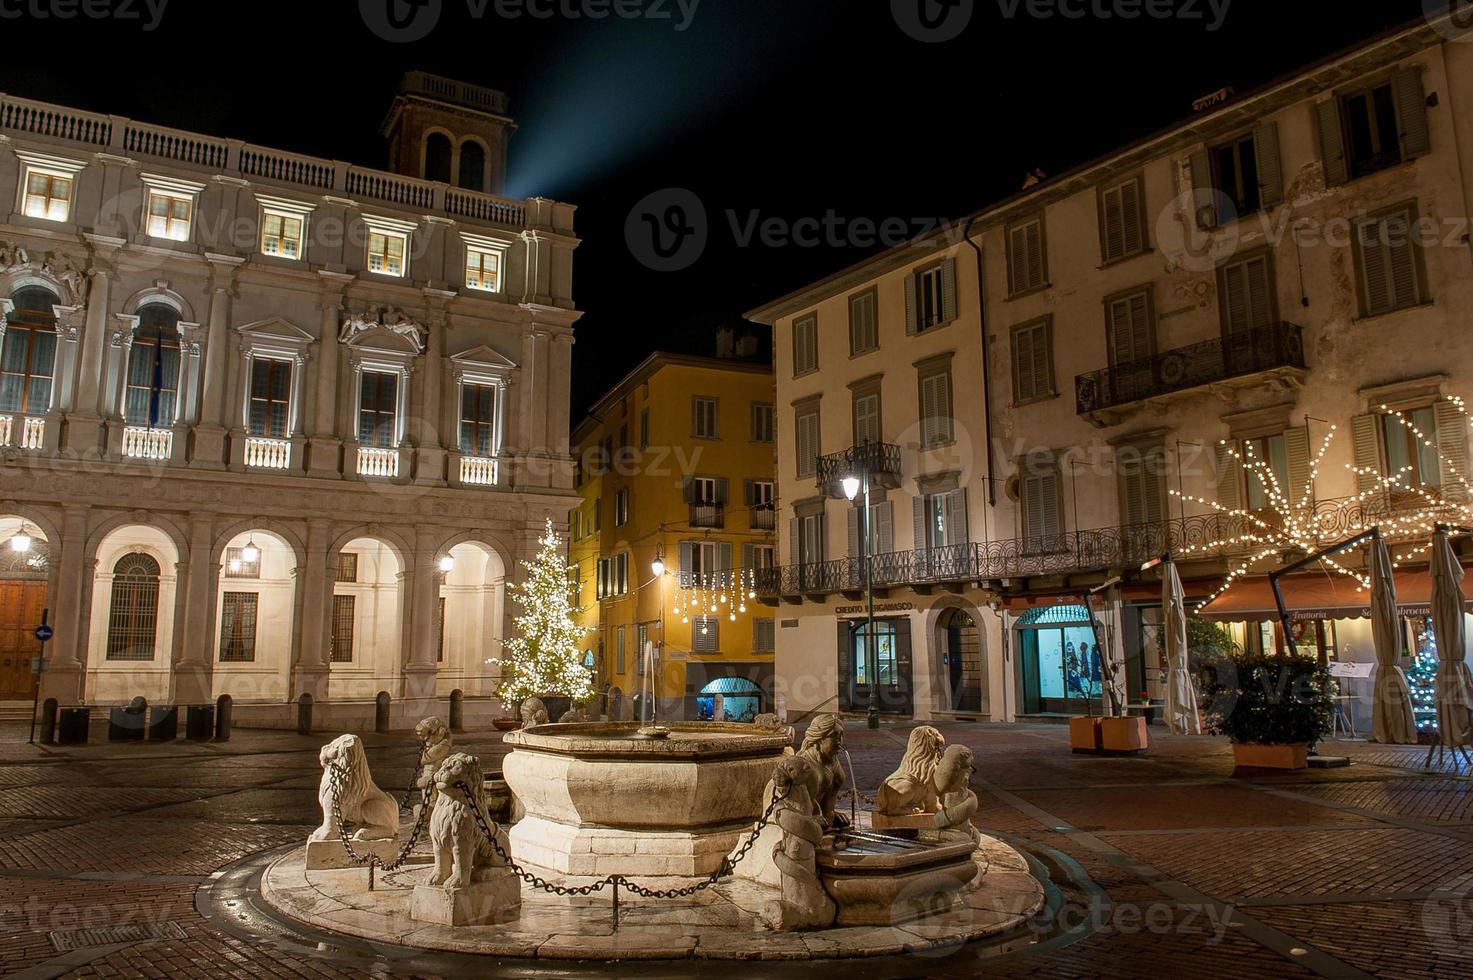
[[1452, 444], [884, 531], [1367, 451], [911, 318], [1270, 164], [948, 290], [1025, 384], [1229, 476], [1296, 450], [856, 545], [1411, 113], [956, 517], [1332, 142], [794, 552], [1203, 199], [723, 560]]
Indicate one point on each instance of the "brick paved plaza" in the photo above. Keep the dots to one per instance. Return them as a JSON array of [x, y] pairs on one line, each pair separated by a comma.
[[1159, 865]]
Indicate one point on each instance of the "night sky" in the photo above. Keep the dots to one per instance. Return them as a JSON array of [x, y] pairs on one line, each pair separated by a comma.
[[762, 108]]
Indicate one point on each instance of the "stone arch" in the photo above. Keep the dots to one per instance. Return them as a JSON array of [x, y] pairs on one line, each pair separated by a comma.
[[290, 537], [480, 155], [428, 144], [471, 620], [110, 680], [974, 695], [402, 546], [375, 608], [159, 522], [159, 292], [256, 612]]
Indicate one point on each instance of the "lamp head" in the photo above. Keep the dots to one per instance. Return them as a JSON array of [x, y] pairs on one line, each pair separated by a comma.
[[658, 566], [851, 487], [21, 542], [447, 562]]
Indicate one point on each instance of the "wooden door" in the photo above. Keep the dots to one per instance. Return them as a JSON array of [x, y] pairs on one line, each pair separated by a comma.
[[20, 613]]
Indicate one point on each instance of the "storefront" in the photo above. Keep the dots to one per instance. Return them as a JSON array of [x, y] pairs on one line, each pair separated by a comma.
[[1058, 659], [889, 676], [745, 689]]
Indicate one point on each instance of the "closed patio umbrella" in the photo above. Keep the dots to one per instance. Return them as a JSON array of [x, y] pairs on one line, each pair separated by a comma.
[[1393, 722], [1181, 695], [1454, 681]]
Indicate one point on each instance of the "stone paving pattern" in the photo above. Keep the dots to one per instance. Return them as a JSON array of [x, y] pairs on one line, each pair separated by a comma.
[[1164, 864]]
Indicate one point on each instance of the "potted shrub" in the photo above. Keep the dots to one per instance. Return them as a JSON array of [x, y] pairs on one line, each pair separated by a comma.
[[1273, 708]]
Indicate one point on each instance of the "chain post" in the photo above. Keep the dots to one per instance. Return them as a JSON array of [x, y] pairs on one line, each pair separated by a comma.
[[616, 902]]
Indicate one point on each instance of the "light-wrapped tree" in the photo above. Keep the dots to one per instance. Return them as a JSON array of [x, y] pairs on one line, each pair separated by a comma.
[[543, 658]]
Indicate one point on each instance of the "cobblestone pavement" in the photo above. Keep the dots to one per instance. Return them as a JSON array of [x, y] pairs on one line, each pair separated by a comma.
[[1162, 864]]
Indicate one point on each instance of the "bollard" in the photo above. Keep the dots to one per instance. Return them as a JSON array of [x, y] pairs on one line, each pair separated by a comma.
[[304, 714], [199, 722], [718, 707], [381, 712], [127, 723], [457, 710], [72, 725], [163, 723], [48, 721], [224, 705]]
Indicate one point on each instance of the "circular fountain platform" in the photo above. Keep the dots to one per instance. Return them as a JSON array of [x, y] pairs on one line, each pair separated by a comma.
[[720, 923]]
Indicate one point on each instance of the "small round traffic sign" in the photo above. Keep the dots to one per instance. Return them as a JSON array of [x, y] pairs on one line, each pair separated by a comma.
[[43, 632]]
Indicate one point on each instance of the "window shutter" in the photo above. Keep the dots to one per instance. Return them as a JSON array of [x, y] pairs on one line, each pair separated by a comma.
[[1037, 261], [1229, 476], [794, 555], [856, 544], [1132, 494], [1332, 142], [1235, 297], [1017, 260], [1043, 358], [1270, 164], [1411, 113], [884, 530], [1375, 269], [1025, 382], [1260, 293], [846, 658], [687, 556], [1203, 199], [723, 489], [723, 559], [1053, 506], [948, 291], [919, 522], [1131, 216], [1452, 443], [749, 492], [911, 318], [1296, 451], [1153, 485], [1114, 235], [1367, 452], [1402, 261], [956, 517], [1130, 329], [748, 555], [688, 489]]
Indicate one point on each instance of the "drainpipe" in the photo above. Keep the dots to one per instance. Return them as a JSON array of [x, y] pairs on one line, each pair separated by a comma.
[[986, 365]]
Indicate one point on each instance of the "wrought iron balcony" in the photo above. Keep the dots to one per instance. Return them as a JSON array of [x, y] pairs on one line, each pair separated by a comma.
[[881, 458], [1271, 348], [707, 515], [763, 517]]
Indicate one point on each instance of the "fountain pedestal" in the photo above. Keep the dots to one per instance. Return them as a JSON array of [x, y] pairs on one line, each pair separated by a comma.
[[480, 903], [601, 801]]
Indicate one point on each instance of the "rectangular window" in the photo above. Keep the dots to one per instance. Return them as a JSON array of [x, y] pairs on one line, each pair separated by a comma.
[[810, 539], [271, 390], [1131, 328], [477, 418], [705, 634], [644, 428], [764, 635], [1247, 287], [340, 640], [764, 556], [1266, 471], [1372, 128], [867, 418], [483, 269], [378, 399], [700, 559], [807, 443], [236, 565], [930, 298], [1235, 167], [704, 490], [153, 379], [1407, 457], [621, 651], [621, 507], [946, 519], [1027, 260], [169, 215], [386, 252], [864, 334], [703, 417], [613, 576], [759, 493], [764, 422], [48, 194], [238, 627], [1033, 361], [805, 344], [28, 362], [1122, 220], [936, 418], [346, 569], [281, 234], [1390, 262]]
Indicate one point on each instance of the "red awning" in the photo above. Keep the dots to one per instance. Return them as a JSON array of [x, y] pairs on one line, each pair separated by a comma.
[[1319, 595]]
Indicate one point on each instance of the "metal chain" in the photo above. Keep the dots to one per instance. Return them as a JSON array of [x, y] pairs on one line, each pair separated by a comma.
[[336, 776], [728, 864], [408, 801]]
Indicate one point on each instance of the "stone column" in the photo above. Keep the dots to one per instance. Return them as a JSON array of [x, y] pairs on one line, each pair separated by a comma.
[[67, 651], [424, 580], [194, 668], [313, 667], [84, 424], [324, 450], [430, 466], [209, 434]]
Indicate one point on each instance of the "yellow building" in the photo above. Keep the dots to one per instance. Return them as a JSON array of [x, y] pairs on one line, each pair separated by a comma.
[[676, 464]]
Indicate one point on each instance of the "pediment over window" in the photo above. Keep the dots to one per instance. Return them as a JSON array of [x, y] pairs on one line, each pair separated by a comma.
[[484, 357], [278, 330]]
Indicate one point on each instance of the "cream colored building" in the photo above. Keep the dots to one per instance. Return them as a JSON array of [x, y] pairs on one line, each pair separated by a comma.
[[1038, 379], [276, 425]]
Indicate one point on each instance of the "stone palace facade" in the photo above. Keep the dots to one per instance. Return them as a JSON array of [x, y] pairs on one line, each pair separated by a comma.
[[274, 424]]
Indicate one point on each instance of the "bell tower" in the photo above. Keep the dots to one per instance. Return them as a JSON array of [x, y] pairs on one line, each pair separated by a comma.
[[448, 131]]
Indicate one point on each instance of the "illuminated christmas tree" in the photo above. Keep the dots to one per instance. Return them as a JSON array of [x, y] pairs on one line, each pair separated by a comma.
[[1422, 677], [543, 658]]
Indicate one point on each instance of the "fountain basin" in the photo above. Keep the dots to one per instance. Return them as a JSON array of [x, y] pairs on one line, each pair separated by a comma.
[[601, 801], [880, 879]]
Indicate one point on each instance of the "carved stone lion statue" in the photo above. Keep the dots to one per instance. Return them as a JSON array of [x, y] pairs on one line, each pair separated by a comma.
[[437, 744], [799, 783], [534, 713], [911, 789], [577, 713], [360, 801], [957, 802], [462, 853]]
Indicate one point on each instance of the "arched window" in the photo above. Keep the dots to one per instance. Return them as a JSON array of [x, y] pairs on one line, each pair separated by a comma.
[[153, 368], [437, 157], [472, 166], [28, 357], [133, 619]]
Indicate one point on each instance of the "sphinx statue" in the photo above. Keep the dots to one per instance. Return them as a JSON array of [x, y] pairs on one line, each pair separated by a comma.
[[799, 783], [911, 789]]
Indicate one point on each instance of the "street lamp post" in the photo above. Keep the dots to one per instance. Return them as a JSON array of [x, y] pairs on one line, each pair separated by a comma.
[[852, 485]]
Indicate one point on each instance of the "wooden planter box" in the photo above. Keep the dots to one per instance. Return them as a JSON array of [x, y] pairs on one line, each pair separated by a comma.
[[1123, 735], [1084, 734], [1256, 755]]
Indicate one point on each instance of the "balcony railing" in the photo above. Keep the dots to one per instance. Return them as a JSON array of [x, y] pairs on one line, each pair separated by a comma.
[[1220, 359], [707, 515], [763, 517], [142, 442], [23, 432], [882, 459], [476, 471], [376, 462], [268, 454]]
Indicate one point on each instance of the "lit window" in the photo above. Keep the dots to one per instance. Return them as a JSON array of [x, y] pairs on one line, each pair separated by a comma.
[[169, 215], [48, 195], [281, 234], [270, 403], [483, 269], [386, 252]]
